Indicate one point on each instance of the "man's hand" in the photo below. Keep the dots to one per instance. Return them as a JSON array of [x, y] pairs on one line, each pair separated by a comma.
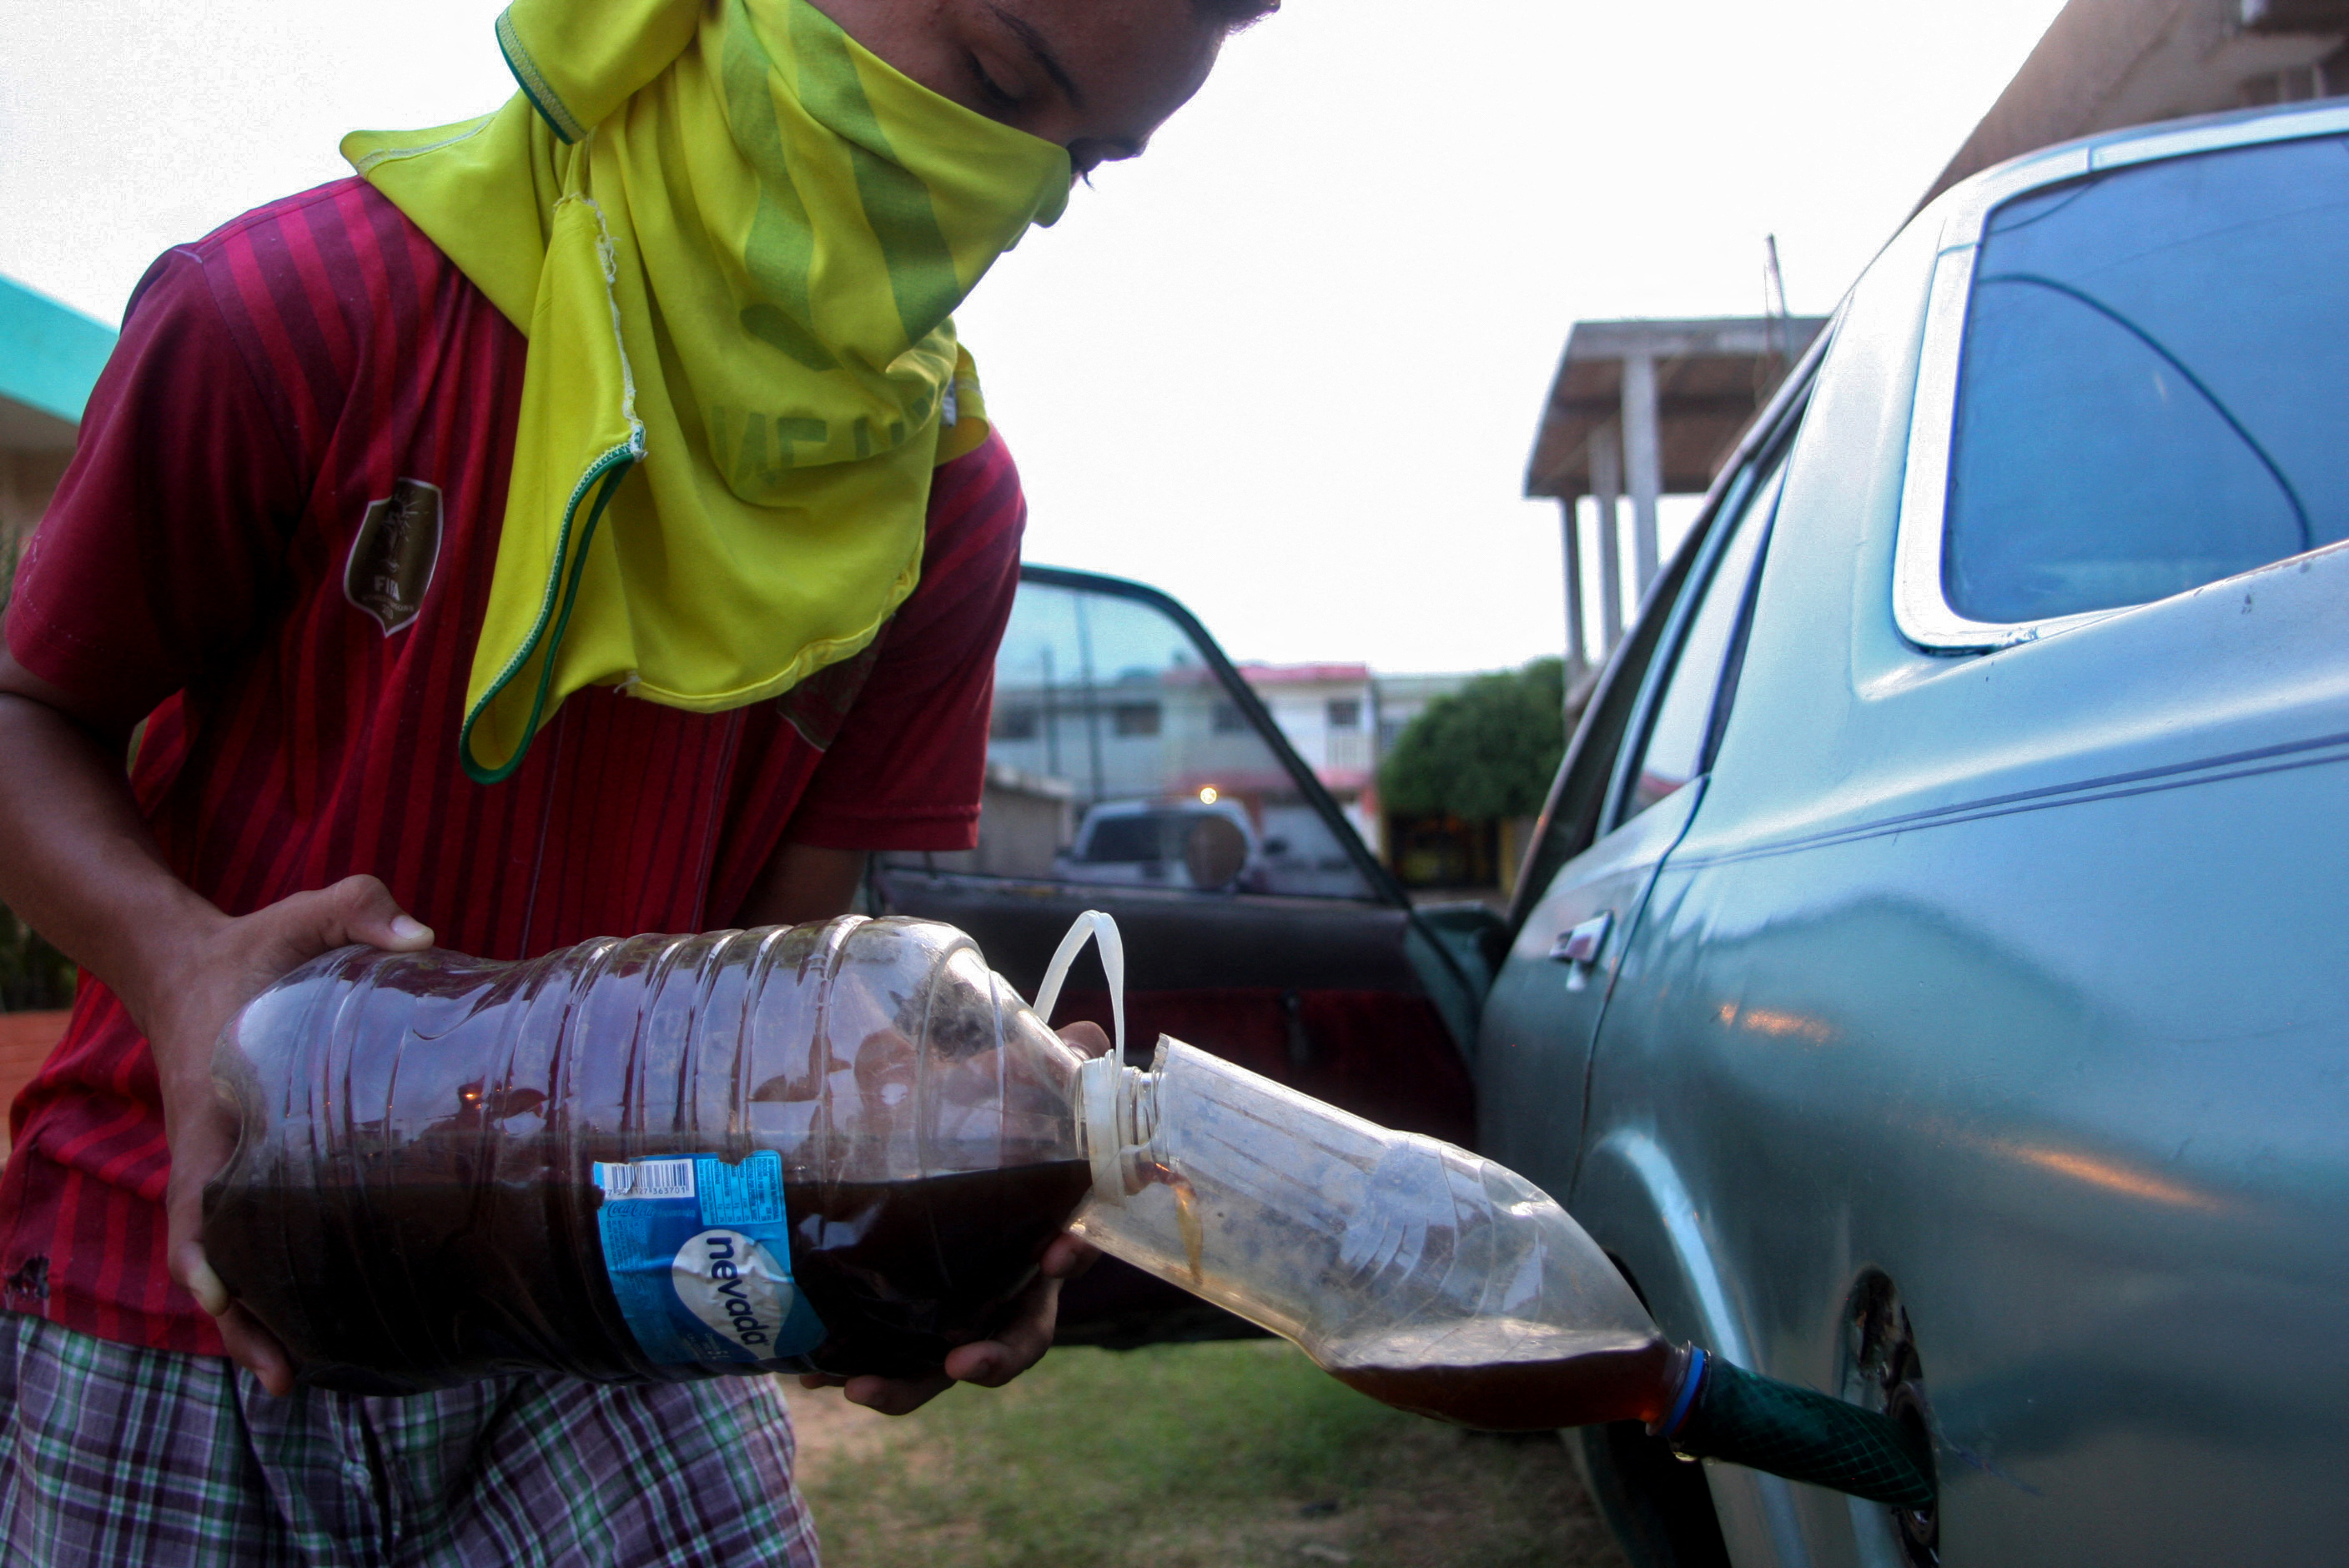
[[989, 1363], [197, 985], [78, 864]]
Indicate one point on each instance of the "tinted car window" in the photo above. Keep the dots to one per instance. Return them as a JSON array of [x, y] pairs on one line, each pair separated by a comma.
[[1145, 836], [1676, 745], [2156, 366]]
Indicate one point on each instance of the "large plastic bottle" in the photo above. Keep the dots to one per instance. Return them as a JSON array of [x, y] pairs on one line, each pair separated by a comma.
[[838, 1148]]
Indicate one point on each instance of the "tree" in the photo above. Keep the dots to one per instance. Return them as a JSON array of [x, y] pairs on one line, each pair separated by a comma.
[[1487, 752]]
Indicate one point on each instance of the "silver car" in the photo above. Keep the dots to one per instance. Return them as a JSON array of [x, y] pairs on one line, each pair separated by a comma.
[[1960, 1016], [1931, 979]]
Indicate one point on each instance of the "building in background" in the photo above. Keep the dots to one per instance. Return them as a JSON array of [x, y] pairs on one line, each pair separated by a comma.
[[49, 358], [2104, 65], [1343, 718], [1329, 714]]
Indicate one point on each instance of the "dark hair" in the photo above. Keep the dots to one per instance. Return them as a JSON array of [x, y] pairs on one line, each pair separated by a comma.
[[1238, 14]]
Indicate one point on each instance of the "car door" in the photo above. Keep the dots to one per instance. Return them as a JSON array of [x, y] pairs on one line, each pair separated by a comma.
[[1981, 1050], [1630, 786], [1130, 769], [1624, 795]]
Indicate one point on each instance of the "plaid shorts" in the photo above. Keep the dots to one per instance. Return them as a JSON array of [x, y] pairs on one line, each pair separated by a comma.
[[114, 1455]]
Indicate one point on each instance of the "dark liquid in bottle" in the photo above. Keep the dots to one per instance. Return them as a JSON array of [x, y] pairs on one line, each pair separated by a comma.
[[903, 1271], [1513, 1377], [404, 1280]]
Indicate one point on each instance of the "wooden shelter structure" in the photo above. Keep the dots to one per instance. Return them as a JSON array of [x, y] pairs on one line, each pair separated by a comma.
[[1639, 410]]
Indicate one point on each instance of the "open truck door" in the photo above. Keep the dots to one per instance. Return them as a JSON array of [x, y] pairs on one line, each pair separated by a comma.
[[1130, 769]]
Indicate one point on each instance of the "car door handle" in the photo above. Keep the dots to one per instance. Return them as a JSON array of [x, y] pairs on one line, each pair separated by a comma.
[[1578, 949], [1581, 945]]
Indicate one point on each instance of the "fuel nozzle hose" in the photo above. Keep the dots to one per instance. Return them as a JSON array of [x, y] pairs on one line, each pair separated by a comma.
[[1727, 1413]]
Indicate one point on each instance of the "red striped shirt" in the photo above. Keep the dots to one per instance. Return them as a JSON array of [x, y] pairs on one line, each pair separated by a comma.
[[276, 541]]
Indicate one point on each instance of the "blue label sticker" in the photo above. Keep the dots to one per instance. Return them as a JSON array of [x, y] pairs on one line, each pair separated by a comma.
[[699, 1255]]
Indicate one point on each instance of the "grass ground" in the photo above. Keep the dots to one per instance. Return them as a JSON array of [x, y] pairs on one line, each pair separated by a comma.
[[1191, 1456]]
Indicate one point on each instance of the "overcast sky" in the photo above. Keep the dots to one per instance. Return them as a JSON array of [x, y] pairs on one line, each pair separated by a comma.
[[1287, 365]]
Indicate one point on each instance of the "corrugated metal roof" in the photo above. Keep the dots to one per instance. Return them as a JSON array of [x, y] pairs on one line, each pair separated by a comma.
[[1257, 674]]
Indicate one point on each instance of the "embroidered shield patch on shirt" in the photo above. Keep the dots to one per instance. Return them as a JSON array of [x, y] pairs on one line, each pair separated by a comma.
[[392, 558]]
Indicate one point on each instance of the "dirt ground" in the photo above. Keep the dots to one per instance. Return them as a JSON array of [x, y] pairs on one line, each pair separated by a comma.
[[1225, 1456]]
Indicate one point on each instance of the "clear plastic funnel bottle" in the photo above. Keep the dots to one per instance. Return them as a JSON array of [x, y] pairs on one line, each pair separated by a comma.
[[1412, 1270], [1425, 1276], [838, 1148]]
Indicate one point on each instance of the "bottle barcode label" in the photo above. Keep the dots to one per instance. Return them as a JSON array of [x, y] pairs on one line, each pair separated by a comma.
[[646, 1178], [699, 1252]]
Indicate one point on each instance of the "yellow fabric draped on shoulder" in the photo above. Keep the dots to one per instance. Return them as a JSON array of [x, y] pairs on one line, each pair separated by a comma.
[[735, 239]]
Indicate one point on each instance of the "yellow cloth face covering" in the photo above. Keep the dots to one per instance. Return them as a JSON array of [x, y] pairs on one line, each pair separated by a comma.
[[734, 238]]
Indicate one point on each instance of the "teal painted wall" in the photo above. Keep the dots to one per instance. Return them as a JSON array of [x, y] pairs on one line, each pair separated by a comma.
[[50, 354]]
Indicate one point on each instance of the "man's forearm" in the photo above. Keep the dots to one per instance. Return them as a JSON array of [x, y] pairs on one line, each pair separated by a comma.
[[77, 861]]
